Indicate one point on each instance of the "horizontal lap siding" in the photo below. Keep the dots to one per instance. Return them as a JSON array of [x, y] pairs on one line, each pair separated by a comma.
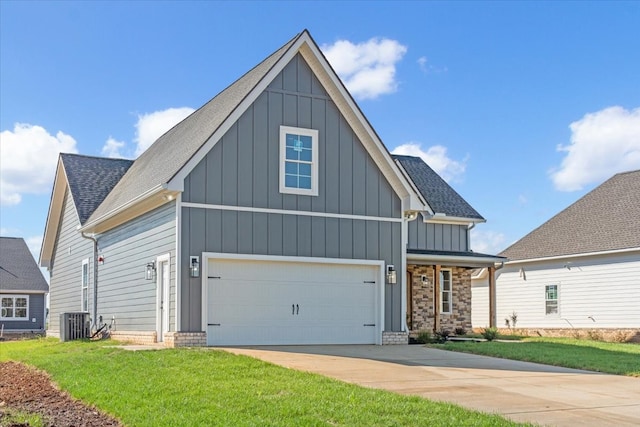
[[242, 169], [36, 311], [66, 272], [123, 291], [480, 303], [607, 289]]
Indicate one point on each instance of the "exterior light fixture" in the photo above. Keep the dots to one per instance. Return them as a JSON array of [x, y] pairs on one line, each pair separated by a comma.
[[194, 266], [391, 275], [150, 270]]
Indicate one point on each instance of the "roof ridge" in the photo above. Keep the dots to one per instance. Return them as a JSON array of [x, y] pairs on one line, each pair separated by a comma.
[[88, 156]]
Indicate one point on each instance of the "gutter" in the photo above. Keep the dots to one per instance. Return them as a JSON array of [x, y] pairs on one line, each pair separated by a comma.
[[155, 190], [95, 276]]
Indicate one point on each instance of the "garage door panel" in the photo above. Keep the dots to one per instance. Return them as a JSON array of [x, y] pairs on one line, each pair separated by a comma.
[[267, 302]]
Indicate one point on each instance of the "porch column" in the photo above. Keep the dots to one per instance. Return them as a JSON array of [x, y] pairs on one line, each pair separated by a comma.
[[436, 298], [492, 297]]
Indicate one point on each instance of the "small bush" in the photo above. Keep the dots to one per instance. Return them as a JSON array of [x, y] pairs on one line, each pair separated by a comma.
[[595, 335], [490, 334], [424, 337], [461, 331], [621, 336], [441, 336]]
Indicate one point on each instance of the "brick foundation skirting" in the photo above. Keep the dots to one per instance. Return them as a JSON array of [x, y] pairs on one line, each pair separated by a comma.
[[395, 338], [598, 334], [185, 339], [135, 337]]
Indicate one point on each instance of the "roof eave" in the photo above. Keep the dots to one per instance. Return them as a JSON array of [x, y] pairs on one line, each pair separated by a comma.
[[441, 218], [455, 260], [571, 256], [54, 215]]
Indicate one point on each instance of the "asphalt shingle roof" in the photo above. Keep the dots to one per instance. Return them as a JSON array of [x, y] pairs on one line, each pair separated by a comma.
[[438, 194], [18, 269], [91, 179], [169, 153], [605, 219]]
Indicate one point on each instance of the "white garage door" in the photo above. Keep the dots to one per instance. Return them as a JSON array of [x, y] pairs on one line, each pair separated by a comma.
[[273, 302]]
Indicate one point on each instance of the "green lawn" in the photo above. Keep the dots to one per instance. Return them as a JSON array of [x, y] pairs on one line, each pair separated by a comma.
[[613, 358], [193, 387]]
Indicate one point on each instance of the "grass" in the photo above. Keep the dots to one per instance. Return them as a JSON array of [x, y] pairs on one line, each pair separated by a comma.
[[612, 358], [205, 387], [10, 417]]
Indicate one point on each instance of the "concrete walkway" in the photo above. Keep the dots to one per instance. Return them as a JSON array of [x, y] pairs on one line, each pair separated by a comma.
[[521, 391]]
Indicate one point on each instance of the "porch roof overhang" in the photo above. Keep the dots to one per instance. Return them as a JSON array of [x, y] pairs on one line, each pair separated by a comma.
[[467, 259]]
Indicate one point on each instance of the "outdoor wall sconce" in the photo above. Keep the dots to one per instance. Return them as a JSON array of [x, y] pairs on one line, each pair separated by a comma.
[[424, 279], [150, 270], [194, 266], [391, 275]]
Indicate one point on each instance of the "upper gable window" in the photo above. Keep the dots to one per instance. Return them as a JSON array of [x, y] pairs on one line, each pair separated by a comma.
[[298, 161]]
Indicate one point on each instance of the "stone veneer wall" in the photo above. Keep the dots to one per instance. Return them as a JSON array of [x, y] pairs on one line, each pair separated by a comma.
[[422, 299]]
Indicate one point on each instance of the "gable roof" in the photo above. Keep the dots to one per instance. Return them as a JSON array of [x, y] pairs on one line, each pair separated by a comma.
[[157, 175], [440, 196], [166, 156], [91, 179], [605, 219], [18, 269]]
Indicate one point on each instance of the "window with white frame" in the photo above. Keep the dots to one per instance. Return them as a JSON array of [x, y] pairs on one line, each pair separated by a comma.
[[551, 299], [85, 285], [14, 307], [298, 161], [446, 301]]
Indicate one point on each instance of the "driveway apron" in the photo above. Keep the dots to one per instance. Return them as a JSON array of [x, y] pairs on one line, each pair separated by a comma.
[[521, 391]]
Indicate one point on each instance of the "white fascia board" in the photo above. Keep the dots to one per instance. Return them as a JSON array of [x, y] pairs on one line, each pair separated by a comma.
[[90, 226], [455, 260], [572, 256], [343, 100], [177, 182], [440, 218], [54, 216], [425, 203]]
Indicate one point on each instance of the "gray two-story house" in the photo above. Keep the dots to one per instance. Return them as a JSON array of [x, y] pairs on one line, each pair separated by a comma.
[[273, 214]]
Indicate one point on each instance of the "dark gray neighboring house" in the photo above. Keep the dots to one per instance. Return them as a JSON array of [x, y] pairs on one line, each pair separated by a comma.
[[23, 289], [273, 214]]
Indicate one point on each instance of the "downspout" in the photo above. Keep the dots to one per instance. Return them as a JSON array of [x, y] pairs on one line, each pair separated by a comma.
[[407, 218], [95, 278]]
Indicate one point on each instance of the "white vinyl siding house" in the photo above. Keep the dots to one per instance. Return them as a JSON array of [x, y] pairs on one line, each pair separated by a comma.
[[579, 271]]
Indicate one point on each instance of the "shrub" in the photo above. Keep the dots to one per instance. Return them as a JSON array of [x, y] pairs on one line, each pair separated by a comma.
[[441, 336], [490, 334], [461, 331], [424, 337], [595, 335]]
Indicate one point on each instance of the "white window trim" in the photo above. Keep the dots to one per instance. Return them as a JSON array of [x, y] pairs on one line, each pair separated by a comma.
[[557, 300], [450, 291], [83, 285], [313, 133], [14, 296]]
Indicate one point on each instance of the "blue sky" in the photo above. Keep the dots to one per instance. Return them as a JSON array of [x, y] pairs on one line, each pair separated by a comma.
[[522, 106]]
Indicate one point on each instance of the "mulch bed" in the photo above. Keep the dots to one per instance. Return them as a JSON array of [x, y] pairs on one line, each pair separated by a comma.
[[26, 389]]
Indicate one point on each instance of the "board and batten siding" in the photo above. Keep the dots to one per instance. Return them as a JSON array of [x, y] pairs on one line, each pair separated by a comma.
[[36, 311], [440, 237], [606, 288], [242, 169], [65, 289], [123, 291]]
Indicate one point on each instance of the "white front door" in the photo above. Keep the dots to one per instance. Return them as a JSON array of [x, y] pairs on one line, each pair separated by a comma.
[[254, 302], [163, 272]]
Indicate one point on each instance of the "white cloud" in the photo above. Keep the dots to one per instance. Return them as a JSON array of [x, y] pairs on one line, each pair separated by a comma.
[[28, 158], [602, 144], [436, 157], [522, 200], [426, 68], [34, 243], [487, 241], [367, 69], [149, 127], [152, 126], [113, 148]]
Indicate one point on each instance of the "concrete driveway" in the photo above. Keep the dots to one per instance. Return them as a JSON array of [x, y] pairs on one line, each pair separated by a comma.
[[521, 391]]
